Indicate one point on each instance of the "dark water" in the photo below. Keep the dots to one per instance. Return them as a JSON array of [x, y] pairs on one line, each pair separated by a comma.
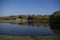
[[25, 29]]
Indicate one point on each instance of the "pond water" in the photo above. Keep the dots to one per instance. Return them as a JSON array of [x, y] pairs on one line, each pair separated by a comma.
[[25, 30]]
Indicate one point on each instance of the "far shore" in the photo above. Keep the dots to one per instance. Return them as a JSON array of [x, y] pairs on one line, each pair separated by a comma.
[[7, 21], [14, 21]]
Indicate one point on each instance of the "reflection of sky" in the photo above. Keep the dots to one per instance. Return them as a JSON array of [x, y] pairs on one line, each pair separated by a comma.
[[12, 29], [16, 7]]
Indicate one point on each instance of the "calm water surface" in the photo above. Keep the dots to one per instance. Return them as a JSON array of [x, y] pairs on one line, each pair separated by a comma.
[[25, 30]]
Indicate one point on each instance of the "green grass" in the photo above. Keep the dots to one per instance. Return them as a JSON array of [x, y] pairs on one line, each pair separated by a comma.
[[29, 38]]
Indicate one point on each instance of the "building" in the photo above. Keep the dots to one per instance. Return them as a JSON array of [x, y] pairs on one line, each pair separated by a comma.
[[20, 19]]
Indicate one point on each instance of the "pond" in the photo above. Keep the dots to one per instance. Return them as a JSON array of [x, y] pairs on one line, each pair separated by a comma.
[[26, 29]]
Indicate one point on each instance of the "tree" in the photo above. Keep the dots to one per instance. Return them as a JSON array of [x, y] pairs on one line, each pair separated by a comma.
[[54, 20], [55, 17]]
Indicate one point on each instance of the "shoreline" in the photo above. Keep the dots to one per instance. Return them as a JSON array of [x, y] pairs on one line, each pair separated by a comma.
[[14, 21], [7, 21], [4, 37]]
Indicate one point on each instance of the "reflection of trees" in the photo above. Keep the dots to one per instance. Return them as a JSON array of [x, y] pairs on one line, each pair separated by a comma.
[[33, 24], [55, 27], [38, 24], [54, 22]]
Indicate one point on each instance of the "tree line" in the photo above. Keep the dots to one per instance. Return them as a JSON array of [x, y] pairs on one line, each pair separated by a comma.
[[27, 17], [38, 18]]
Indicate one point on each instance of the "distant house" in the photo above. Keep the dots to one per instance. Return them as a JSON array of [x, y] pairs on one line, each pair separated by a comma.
[[20, 20]]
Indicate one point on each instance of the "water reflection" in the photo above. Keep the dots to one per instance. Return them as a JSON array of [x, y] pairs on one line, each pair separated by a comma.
[[23, 29], [29, 29], [33, 24], [55, 27]]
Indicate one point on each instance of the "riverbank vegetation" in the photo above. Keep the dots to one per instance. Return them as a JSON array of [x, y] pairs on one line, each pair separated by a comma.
[[55, 17], [34, 18], [29, 37], [54, 22]]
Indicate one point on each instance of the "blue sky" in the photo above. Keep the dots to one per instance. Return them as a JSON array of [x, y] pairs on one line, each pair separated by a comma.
[[28, 7]]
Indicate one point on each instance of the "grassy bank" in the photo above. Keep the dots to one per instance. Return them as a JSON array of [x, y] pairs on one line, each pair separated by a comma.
[[7, 21], [29, 38]]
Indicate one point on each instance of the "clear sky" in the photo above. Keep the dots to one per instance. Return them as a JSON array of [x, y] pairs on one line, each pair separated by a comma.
[[16, 7]]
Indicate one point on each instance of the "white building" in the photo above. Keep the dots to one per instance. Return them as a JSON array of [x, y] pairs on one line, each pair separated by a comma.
[[21, 20]]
